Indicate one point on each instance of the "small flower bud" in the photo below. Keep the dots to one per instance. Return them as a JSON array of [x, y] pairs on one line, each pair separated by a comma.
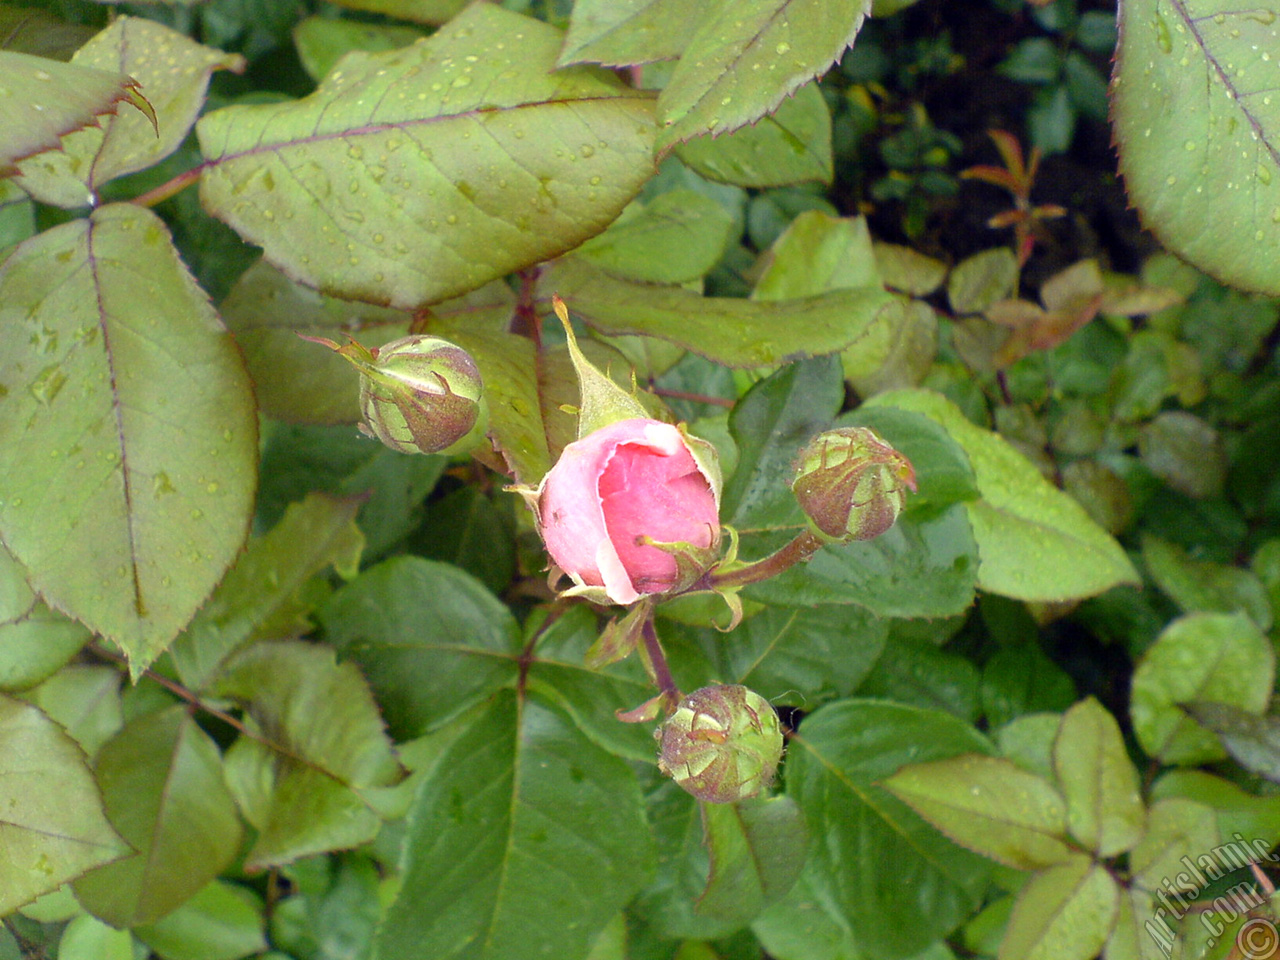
[[418, 394], [722, 744], [851, 484]]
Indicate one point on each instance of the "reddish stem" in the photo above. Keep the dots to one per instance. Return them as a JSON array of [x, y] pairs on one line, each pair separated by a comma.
[[797, 551], [166, 190]]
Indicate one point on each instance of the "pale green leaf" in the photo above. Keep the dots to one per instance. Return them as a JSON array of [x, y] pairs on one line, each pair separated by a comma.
[[675, 238], [321, 42], [990, 806], [314, 784], [419, 174], [1141, 931], [128, 436], [1237, 811], [757, 850], [1104, 805], [1064, 913], [790, 145], [878, 867], [53, 827], [221, 922], [87, 938], [419, 11], [263, 585], [85, 701], [1216, 657], [730, 331], [43, 100], [161, 779], [1035, 542], [746, 56], [1176, 828], [34, 640], [524, 840], [173, 73], [626, 32], [1197, 122], [979, 281]]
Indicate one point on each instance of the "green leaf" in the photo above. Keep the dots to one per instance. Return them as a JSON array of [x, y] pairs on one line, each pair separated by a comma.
[[69, 96], [1035, 542], [297, 381], [342, 462], [1176, 828], [261, 590], [920, 567], [1064, 913], [817, 253], [53, 827], [87, 938], [128, 445], [221, 922], [1104, 805], [1253, 741], [790, 145], [1198, 130], [990, 806], [591, 697], [1020, 679], [625, 32], [34, 640], [525, 839], [917, 673], [1202, 586], [85, 701], [775, 419], [746, 56], [322, 42], [31, 30], [313, 785], [1216, 657], [474, 533], [173, 73], [979, 281], [806, 924], [757, 850], [800, 655], [161, 779], [431, 640], [896, 883], [676, 238], [730, 331], [419, 11], [1236, 810], [433, 169]]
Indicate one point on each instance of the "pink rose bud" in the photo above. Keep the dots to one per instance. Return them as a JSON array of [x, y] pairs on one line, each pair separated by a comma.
[[632, 508], [722, 744], [851, 484]]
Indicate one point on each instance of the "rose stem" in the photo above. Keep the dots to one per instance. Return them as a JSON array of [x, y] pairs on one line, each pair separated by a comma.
[[661, 672], [798, 550]]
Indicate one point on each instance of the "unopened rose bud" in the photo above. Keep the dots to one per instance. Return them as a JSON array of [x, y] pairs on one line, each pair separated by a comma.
[[418, 394], [722, 744], [851, 484]]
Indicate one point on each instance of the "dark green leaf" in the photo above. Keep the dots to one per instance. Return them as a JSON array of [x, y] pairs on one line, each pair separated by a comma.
[[431, 639], [525, 840], [893, 879], [757, 850], [322, 42], [915, 672], [1020, 680], [1253, 741]]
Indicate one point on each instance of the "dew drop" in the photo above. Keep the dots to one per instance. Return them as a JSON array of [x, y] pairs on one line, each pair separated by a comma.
[[782, 48]]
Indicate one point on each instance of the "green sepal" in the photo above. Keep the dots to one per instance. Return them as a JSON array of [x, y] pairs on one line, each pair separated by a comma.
[[603, 401], [619, 637], [649, 710]]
